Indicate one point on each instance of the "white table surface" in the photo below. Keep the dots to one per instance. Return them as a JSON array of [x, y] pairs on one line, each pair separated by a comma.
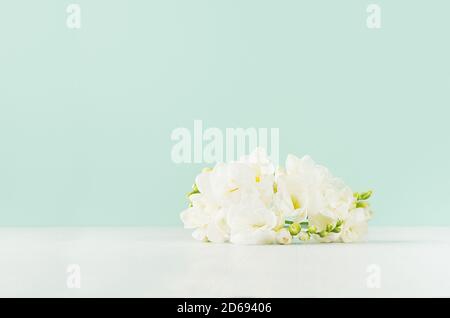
[[166, 262]]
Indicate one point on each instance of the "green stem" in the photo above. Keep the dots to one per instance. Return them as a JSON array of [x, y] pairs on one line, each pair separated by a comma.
[[304, 223]]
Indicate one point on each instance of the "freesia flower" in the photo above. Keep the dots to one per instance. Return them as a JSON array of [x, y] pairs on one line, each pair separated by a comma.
[[355, 227], [324, 198], [251, 222], [250, 202], [207, 220]]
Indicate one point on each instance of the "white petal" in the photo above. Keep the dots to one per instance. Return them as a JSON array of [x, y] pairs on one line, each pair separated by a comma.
[[258, 236], [194, 217], [200, 234], [215, 234], [292, 164], [218, 231]]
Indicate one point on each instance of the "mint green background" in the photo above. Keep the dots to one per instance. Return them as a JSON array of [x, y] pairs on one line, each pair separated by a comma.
[[86, 115]]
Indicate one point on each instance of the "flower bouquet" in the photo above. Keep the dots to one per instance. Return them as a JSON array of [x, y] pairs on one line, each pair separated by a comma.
[[250, 202]]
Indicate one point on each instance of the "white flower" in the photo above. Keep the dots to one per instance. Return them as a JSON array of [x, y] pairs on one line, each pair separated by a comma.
[[288, 201], [325, 198], [355, 226], [260, 162], [251, 222], [208, 221], [226, 183], [248, 202], [224, 190], [264, 173], [284, 237]]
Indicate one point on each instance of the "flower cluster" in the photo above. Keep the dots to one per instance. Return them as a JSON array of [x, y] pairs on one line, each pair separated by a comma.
[[250, 202]]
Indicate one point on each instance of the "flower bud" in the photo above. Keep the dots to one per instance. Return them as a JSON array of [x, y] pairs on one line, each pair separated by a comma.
[[323, 233], [337, 229], [194, 190], [365, 195], [294, 229], [304, 236], [330, 227], [362, 204], [312, 229], [284, 237]]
